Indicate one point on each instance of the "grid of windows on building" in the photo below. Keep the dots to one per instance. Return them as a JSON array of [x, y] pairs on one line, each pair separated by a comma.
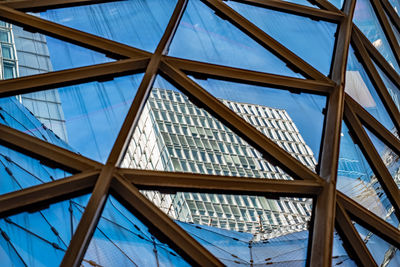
[[175, 135], [24, 53]]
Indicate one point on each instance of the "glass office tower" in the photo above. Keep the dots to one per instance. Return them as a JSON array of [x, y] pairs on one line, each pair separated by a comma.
[[96, 126]]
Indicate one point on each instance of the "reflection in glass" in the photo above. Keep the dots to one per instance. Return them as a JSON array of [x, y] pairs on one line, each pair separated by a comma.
[[393, 90], [357, 180], [121, 239], [365, 18], [361, 89], [396, 5], [204, 36], [40, 238], [389, 158], [337, 3], [134, 22], [383, 253], [339, 254], [309, 39], [244, 230]]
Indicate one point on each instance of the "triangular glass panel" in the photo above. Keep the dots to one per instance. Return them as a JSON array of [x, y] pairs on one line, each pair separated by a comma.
[[396, 5], [175, 135], [394, 91], [383, 253], [357, 180], [40, 238], [339, 254], [134, 22], [215, 40], [281, 115], [25, 53], [85, 118], [311, 40], [244, 230], [389, 158], [18, 171], [121, 239], [365, 18], [361, 89], [337, 3]]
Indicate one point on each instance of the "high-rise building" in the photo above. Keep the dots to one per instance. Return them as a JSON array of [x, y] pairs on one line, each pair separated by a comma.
[[174, 135]]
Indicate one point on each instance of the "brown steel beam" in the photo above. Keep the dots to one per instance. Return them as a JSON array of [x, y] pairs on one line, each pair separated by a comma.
[[205, 70], [189, 182], [271, 151], [352, 241], [369, 220], [384, 22], [90, 217], [320, 247], [324, 4], [296, 9], [43, 195], [48, 154], [42, 5], [84, 232], [61, 78], [377, 56], [377, 81], [374, 125], [161, 225], [393, 16], [374, 159], [265, 40], [35, 24]]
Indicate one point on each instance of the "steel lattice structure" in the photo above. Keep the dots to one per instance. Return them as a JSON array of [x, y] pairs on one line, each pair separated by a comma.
[[331, 209]]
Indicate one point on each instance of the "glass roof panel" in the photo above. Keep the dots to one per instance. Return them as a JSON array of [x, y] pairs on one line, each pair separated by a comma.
[[357, 180], [242, 230], [83, 118], [40, 238], [361, 89], [311, 40], [365, 18], [121, 239], [134, 22], [204, 36], [383, 253]]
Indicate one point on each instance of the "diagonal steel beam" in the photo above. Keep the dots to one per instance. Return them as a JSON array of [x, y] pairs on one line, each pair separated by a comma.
[[48, 154], [251, 77], [264, 39], [161, 225], [320, 247], [377, 57], [46, 194], [369, 220], [374, 125], [394, 17], [326, 5], [189, 182], [384, 22], [352, 241], [376, 80], [90, 41], [271, 151], [62, 78], [296, 9], [84, 232], [374, 159], [41, 5]]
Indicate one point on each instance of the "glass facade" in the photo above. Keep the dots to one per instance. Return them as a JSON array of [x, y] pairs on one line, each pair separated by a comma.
[[199, 133]]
